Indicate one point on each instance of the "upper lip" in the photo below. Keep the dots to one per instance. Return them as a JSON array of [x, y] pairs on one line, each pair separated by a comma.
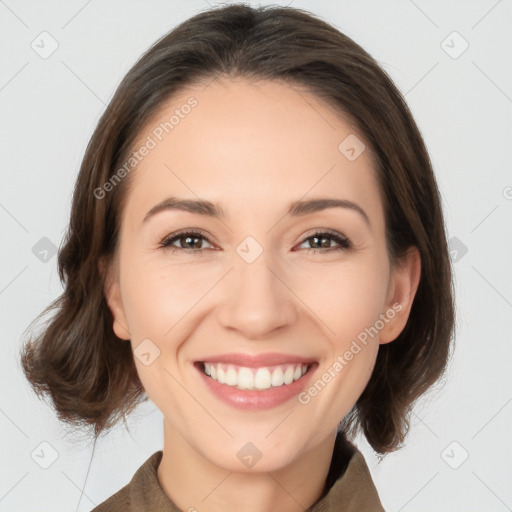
[[255, 361]]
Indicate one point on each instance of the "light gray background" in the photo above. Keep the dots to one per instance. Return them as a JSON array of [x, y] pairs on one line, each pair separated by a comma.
[[463, 106]]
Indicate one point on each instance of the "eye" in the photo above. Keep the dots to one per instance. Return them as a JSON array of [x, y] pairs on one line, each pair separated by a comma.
[[319, 238], [190, 239]]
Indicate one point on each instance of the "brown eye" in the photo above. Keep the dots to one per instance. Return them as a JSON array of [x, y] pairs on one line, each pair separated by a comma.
[[322, 240], [189, 241]]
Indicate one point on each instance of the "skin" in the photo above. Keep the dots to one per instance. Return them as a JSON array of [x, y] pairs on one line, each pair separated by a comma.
[[254, 147]]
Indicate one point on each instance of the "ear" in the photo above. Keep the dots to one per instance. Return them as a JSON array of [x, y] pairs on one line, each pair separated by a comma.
[[111, 288], [405, 277]]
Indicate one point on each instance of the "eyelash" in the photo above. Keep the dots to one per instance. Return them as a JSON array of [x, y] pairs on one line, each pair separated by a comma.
[[344, 242]]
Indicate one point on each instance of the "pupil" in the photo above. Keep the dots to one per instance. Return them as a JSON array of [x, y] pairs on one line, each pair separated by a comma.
[[188, 238], [322, 244]]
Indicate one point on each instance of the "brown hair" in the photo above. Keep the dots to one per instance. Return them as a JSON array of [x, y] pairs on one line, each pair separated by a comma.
[[89, 373]]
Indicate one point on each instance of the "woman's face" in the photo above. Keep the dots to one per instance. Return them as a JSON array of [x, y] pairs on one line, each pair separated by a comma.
[[254, 286]]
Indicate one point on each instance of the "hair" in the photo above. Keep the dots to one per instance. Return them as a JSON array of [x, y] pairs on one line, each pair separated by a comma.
[[88, 371]]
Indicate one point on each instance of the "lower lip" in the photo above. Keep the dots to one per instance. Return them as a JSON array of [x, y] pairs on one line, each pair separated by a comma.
[[254, 399]]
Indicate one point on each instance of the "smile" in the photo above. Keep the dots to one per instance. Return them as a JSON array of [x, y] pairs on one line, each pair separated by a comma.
[[255, 381], [260, 378]]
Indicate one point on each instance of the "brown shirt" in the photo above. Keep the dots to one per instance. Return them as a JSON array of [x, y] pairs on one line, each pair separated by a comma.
[[348, 487]]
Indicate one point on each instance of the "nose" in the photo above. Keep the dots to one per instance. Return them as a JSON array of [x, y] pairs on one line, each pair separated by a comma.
[[258, 300]]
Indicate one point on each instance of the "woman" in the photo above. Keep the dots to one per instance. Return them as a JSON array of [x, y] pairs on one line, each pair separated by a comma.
[[256, 244]]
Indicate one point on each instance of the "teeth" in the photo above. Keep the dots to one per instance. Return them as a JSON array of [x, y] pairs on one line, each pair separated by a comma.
[[255, 379], [232, 377], [277, 377], [245, 379], [288, 375], [221, 376], [263, 378]]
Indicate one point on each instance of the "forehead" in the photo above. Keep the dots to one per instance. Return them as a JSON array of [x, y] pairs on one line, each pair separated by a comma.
[[243, 143]]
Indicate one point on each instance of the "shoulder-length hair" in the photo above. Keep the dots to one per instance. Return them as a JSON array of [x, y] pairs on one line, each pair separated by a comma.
[[88, 372]]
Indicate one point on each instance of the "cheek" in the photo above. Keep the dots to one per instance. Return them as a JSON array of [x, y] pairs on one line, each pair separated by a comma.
[[347, 298], [156, 297]]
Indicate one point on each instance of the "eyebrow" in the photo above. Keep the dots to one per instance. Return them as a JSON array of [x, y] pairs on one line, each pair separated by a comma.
[[296, 209]]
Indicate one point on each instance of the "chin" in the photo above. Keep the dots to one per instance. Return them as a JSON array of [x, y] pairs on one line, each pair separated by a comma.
[[250, 456]]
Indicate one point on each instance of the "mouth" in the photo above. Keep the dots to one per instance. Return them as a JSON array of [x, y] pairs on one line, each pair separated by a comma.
[[255, 378], [255, 382]]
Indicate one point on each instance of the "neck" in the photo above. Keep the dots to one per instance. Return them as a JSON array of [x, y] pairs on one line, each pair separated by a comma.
[[194, 483]]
